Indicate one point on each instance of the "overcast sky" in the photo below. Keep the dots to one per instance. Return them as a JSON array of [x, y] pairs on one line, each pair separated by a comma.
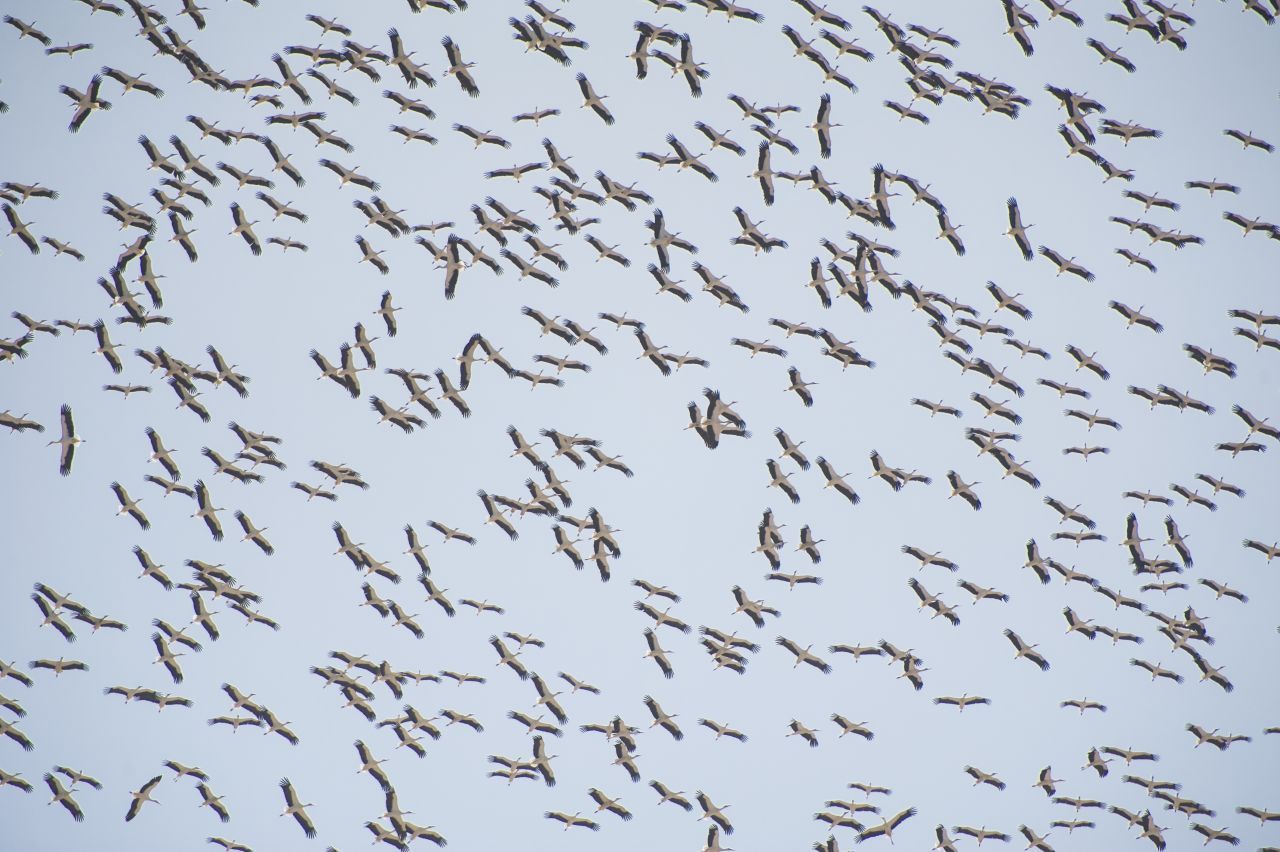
[[688, 518]]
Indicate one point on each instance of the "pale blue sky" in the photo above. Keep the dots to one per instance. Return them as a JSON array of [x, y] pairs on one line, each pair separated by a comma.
[[688, 517]]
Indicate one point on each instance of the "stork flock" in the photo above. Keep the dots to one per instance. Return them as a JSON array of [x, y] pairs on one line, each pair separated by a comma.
[[993, 604]]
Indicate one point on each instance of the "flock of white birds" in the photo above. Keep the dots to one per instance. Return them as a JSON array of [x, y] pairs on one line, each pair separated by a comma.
[[942, 335]]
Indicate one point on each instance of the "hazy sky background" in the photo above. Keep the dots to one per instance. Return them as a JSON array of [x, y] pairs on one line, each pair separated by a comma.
[[688, 518]]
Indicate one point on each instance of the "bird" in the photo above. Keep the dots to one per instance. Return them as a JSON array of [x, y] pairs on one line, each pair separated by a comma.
[[822, 126], [296, 809], [803, 655], [167, 657], [450, 533], [26, 30], [1221, 590], [981, 593], [68, 442], [713, 812], [371, 766], [85, 102], [605, 803], [1077, 625], [799, 729], [542, 761], [349, 176], [799, 385], [650, 590], [809, 544], [244, 228], [611, 462], [780, 480], [572, 820], [1135, 317], [547, 698], [935, 408], [1083, 704], [658, 654], [593, 101], [1157, 671], [206, 511], [371, 256], [1263, 816], [505, 657], [1065, 264], [229, 845], [963, 490], [857, 728], [495, 515], [906, 112], [63, 797], [1135, 258], [1084, 361], [19, 229], [926, 559], [52, 617], [129, 506], [980, 834], [1248, 140], [1092, 419], [213, 802], [1257, 425], [961, 702], [458, 69], [886, 828], [181, 771], [1211, 834], [1070, 513], [1110, 55], [675, 797], [450, 393], [1024, 650], [142, 796]]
